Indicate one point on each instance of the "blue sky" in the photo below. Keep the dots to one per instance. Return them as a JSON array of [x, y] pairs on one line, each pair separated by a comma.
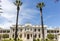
[[29, 13]]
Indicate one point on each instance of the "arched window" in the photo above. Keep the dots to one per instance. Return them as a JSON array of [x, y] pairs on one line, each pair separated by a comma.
[[35, 30], [13, 35], [13, 30], [35, 35], [31, 29], [31, 35], [0, 31], [20, 35], [21, 30], [24, 35], [25, 29], [39, 35], [39, 30]]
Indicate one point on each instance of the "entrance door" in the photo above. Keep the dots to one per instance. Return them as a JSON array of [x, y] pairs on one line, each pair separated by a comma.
[[27, 36]]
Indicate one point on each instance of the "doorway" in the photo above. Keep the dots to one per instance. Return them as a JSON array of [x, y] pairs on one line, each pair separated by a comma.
[[27, 36]]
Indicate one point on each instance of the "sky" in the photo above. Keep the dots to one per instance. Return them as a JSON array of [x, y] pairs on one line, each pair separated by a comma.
[[29, 13]]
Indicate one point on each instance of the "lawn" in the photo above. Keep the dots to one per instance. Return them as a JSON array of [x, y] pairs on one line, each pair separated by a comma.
[[11, 40]]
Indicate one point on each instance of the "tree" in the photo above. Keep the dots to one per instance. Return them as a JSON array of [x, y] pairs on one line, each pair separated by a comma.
[[17, 3], [50, 36], [40, 6]]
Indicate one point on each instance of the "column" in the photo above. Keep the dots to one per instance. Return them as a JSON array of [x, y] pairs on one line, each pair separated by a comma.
[[41, 32], [22, 35]]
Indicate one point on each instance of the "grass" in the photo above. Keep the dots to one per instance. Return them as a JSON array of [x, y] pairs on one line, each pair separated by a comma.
[[11, 40], [22, 40]]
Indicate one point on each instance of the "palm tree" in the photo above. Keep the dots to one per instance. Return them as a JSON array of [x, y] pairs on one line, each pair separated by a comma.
[[17, 3], [40, 6], [1, 9]]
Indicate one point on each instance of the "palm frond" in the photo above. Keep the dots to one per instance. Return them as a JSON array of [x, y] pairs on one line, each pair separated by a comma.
[[1, 12], [18, 3], [40, 5], [1, 9]]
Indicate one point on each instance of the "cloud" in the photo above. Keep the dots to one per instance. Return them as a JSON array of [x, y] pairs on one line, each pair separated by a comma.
[[9, 13], [8, 9], [48, 17], [6, 25]]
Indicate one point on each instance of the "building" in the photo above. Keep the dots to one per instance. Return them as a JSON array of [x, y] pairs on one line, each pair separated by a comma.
[[3, 32], [28, 32]]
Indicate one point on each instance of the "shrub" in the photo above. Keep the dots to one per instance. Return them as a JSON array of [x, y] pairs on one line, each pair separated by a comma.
[[50, 36], [38, 39], [10, 39], [5, 36], [46, 40], [34, 39]]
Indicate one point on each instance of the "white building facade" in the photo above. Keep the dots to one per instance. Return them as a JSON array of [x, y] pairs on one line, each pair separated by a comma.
[[27, 32]]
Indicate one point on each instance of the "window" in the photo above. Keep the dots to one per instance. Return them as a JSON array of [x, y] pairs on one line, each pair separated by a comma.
[[20, 35], [31, 29], [35, 35], [48, 31], [20, 29], [39, 35], [13, 30], [27, 28], [8, 31], [13, 35], [57, 31], [4, 31], [31, 35], [39, 30], [52, 31], [24, 35], [0, 31], [35, 30]]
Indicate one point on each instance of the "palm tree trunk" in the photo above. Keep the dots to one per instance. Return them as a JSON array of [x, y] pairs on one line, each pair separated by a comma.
[[42, 24], [17, 23]]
